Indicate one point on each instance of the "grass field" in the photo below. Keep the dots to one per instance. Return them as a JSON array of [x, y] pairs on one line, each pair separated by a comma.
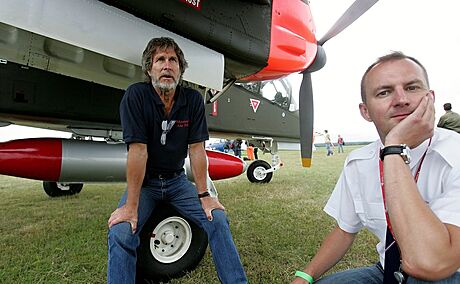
[[277, 227]]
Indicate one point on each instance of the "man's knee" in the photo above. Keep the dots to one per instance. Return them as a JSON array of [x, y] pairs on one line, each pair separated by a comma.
[[121, 234], [219, 220], [219, 215]]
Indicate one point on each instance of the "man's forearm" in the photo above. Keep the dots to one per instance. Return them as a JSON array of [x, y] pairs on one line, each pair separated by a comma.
[[334, 247], [199, 165], [424, 240], [135, 172]]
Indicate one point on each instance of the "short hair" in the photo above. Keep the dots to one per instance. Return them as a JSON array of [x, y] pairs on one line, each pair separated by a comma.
[[161, 43], [447, 106], [393, 56]]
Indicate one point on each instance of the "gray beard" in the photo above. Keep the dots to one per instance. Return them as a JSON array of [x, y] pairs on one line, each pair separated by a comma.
[[164, 87]]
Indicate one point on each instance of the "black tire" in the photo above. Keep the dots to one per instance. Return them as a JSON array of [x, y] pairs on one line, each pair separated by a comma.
[[169, 264], [255, 172], [75, 188], [54, 189]]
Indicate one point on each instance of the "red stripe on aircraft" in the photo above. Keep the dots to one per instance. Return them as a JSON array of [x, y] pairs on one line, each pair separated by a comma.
[[214, 108]]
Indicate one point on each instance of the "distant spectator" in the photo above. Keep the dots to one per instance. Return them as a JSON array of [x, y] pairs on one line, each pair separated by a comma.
[[328, 142], [256, 149], [237, 147], [450, 120], [340, 144], [227, 147], [250, 151]]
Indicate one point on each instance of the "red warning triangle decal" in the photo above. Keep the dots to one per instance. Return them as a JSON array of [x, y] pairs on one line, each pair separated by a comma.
[[254, 104]]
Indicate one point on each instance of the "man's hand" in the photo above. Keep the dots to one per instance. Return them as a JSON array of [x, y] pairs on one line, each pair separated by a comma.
[[210, 203], [415, 128], [124, 214]]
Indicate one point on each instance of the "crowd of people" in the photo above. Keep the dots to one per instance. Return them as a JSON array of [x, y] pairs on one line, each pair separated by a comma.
[[235, 147], [404, 187]]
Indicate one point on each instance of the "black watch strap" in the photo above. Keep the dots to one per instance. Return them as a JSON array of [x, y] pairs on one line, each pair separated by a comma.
[[395, 150], [203, 194]]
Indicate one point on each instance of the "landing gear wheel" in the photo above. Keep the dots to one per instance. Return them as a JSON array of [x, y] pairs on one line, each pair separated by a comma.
[[256, 172], [170, 246], [55, 189]]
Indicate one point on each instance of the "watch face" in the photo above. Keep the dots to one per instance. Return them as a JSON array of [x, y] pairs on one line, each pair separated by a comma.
[[405, 154]]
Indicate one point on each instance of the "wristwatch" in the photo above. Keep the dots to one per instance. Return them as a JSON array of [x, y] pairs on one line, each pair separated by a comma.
[[402, 150], [203, 194]]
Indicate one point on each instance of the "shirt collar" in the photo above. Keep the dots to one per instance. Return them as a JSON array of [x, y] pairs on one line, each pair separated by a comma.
[[417, 153]]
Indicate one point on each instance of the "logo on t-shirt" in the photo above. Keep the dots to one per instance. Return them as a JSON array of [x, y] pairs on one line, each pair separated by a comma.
[[182, 123]]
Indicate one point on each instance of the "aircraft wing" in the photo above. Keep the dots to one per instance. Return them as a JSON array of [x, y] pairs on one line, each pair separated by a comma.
[[110, 31]]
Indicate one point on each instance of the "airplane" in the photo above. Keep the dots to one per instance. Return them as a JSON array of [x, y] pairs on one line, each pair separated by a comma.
[[65, 63]]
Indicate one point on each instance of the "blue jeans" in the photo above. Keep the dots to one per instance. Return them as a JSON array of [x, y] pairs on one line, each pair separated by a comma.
[[340, 148], [329, 149], [374, 275], [181, 194]]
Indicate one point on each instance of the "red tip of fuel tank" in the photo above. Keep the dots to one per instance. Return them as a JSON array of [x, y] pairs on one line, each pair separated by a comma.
[[222, 165], [38, 158]]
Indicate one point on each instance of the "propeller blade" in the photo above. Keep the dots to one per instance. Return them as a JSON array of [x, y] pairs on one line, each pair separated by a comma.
[[306, 114], [306, 119], [356, 10]]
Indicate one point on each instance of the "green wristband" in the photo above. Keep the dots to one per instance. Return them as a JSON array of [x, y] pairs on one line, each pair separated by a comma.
[[304, 276]]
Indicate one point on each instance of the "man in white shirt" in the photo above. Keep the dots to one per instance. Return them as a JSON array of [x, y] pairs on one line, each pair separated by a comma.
[[408, 180]]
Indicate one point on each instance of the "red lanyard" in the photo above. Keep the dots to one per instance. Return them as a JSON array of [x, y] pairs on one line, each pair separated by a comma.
[[383, 186]]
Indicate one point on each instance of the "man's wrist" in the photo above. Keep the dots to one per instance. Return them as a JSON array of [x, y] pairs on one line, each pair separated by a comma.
[[203, 194], [402, 150], [132, 204], [305, 276]]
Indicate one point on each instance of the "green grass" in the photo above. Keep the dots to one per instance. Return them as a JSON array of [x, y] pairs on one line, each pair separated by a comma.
[[277, 227]]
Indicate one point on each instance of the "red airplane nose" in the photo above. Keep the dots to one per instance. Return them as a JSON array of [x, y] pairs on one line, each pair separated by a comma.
[[222, 165]]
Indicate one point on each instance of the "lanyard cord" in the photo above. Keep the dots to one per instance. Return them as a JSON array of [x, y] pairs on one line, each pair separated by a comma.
[[383, 186]]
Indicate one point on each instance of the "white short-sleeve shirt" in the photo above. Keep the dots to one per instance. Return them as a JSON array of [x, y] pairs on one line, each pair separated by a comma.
[[357, 202]]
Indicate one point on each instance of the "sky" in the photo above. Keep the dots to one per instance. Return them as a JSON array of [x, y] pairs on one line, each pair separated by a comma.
[[426, 30]]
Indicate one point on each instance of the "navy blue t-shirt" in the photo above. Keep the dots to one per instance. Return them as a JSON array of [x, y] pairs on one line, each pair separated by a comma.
[[142, 113]]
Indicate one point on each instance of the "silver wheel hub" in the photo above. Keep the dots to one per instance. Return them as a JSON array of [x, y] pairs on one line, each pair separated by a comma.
[[63, 186], [259, 173], [170, 239]]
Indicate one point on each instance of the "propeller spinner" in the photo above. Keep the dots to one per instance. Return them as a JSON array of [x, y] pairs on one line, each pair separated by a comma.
[[356, 10]]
